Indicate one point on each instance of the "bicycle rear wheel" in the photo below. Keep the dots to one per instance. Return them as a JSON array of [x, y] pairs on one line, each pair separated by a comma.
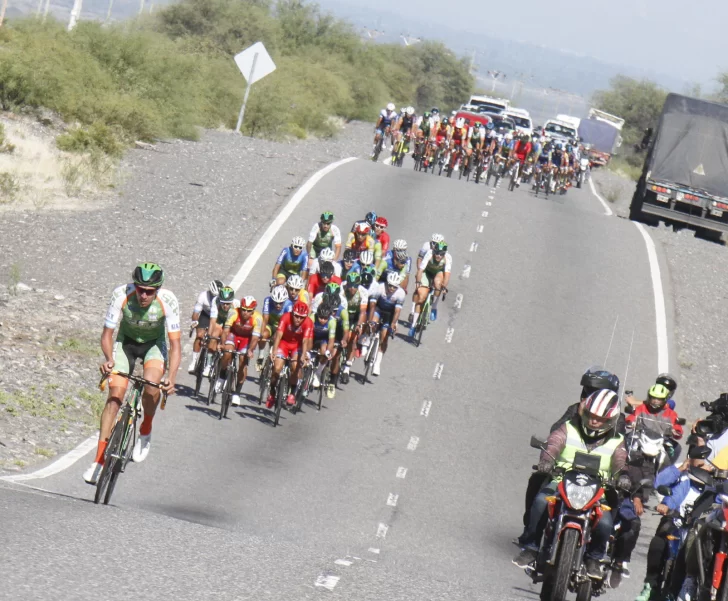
[[199, 369], [214, 376], [372, 357], [281, 395], [228, 389], [111, 455], [324, 384], [264, 381], [123, 458]]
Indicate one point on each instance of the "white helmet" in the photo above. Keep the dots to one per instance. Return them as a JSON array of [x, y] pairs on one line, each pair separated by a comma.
[[298, 241], [460, 123], [366, 257], [394, 279], [437, 238], [410, 110], [248, 302], [279, 294], [509, 137], [390, 106], [295, 281], [403, 110], [326, 254], [453, 113], [399, 245], [215, 286], [599, 412]]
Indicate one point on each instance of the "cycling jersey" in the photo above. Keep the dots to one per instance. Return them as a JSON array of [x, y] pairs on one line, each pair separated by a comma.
[[406, 124], [387, 117], [557, 157], [143, 324], [291, 333], [274, 315], [459, 134], [383, 241], [343, 271], [315, 267], [522, 150], [356, 303], [290, 263], [545, 157], [442, 132], [340, 310], [431, 267], [387, 303], [368, 244], [317, 285], [324, 332], [243, 326], [204, 302], [320, 240], [221, 315], [387, 264]]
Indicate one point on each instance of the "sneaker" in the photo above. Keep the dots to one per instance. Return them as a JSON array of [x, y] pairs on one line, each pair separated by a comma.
[[91, 475], [525, 558], [593, 567], [316, 381], [412, 332], [624, 568], [330, 391], [290, 400], [270, 402], [219, 384], [141, 448], [191, 367], [377, 368], [433, 315], [206, 371], [411, 318], [689, 589], [646, 592], [235, 401]]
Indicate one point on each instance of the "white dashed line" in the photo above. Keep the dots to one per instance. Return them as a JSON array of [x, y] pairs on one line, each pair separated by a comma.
[[488, 204], [327, 581], [485, 213], [373, 550], [448, 335], [479, 229], [392, 500], [438, 371], [402, 472], [413, 442], [466, 271], [343, 562], [382, 530], [490, 198], [458, 301], [473, 247], [426, 406]]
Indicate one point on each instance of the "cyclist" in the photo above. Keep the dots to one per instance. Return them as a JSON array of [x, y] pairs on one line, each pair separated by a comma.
[[387, 117], [384, 307], [330, 295], [458, 137], [380, 235], [405, 127], [292, 259], [241, 333], [201, 318], [433, 270], [558, 161], [292, 340], [327, 255], [348, 264], [428, 246], [360, 239], [144, 311], [396, 260], [318, 281], [296, 290], [324, 234], [520, 152], [476, 138], [543, 163], [223, 306], [357, 302], [370, 219], [274, 307], [424, 129], [324, 337]]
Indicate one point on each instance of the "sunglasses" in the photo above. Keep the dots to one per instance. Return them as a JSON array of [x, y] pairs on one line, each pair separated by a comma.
[[247, 310], [379, 227], [297, 316], [146, 291], [297, 247]]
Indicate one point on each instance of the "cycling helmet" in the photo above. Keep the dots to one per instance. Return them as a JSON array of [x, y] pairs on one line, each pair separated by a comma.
[[326, 254], [509, 137], [327, 217], [490, 125], [599, 413], [298, 242], [279, 294], [226, 295], [410, 110], [149, 274], [657, 396], [445, 121], [435, 110], [426, 115], [390, 106], [595, 378], [332, 299], [403, 110], [353, 279], [668, 382], [324, 311], [559, 146], [248, 302], [332, 288], [350, 255], [215, 286], [371, 218], [367, 276], [362, 228], [453, 113], [439, 248], [295, 281], [394, 279], [460, 123], [399, 244], [381, 221], [569, 148], [366, 257], [435, 238], [326, 269], [300, 309]]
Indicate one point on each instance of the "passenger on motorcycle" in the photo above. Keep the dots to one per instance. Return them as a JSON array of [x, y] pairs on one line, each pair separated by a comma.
[[666, 380], [593, 431], [656, 408]]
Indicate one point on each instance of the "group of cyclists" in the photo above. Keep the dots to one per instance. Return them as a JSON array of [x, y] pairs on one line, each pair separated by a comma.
[[477, 147]]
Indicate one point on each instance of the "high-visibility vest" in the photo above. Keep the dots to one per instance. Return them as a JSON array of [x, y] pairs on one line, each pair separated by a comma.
[[575, 443]]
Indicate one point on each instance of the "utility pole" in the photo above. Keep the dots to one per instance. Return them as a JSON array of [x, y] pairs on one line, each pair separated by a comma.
[[75, 13], [108, 11], [2, 12], [45, 9], [141, 6]]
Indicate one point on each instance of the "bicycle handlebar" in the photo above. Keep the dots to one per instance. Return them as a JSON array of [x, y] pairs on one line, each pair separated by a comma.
[[136, 380]]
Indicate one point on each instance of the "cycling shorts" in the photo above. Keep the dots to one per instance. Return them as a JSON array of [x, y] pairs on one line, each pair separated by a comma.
[[289, 349], [127, 352], [203, 321], [428, 278], [384, 318], [241, 342]]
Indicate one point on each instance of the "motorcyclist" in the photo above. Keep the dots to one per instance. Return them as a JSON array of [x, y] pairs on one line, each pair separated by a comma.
[[666, 380], [592, 431], [656, 408]]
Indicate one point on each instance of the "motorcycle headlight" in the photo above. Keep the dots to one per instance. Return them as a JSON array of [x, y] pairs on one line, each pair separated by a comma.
[[580, 495]]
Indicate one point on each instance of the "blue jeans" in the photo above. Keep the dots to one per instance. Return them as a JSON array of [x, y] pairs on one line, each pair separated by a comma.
[[533, 531]]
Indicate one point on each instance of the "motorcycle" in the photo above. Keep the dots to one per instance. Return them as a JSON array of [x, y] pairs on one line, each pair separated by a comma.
[[650, 442], [582, 171]]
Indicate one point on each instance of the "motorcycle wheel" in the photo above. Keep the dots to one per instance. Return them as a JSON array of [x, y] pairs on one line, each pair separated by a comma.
[[564, 563], [584, 591]]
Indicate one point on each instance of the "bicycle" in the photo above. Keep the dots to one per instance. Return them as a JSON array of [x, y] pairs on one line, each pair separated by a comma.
[[419, 154], [515, 172], [231, 382], [215, 368], [379, 145], [424, 319], [202, 362], [264, 379], [370, 351], [123, 436]]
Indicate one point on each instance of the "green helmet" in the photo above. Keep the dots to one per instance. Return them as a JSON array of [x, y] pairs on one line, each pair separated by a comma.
[[332, 288], [353, 279], [327, 217], [439, 247], [426, 115], [226, 295], [148, 274]]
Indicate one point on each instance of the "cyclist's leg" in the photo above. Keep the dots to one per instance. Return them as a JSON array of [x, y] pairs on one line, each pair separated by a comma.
[[420, 295], [437, 284], [266, 335]]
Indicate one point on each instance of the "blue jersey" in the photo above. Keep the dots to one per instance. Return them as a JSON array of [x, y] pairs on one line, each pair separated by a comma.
[[355, 268], [388, 265], [387, 303], [274, 316], [322, 332], [291, 263]]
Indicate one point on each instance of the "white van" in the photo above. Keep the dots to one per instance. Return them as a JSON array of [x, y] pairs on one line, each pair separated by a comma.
[[562, 131], [486, 104], [522, 119]]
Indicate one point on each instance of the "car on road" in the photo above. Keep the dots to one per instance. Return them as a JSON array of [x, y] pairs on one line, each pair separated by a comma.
[[560, 131], [471, 118], [522, 119], [488, 104]]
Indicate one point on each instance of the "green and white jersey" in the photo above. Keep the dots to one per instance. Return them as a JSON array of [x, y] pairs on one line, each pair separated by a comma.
[[143, 324], [320, 240], [432, 267]]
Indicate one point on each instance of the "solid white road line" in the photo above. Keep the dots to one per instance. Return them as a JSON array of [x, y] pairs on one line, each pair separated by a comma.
[[286, 211], [607, 211], [60, 464], [663, 363]]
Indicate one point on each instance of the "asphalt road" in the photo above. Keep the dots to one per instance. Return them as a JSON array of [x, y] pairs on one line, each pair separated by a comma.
[[407, 488]]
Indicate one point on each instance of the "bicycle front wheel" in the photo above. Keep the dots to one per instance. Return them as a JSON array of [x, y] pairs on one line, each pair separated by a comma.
[[199, 369], [281, 395], [228, 390], [112, 461], [124, 454], [264, 382], [214, 375]]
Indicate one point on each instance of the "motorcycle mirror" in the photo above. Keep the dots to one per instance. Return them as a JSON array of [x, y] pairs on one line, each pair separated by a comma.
[[703, 475], [699, 452], [664, 490], [681, 421], [537, 444]]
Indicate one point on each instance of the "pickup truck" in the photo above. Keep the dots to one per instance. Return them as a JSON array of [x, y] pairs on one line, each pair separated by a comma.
[[684, 179]]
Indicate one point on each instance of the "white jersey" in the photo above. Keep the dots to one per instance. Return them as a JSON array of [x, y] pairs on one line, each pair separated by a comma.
[[205, 302], [334, 231], [315, 268], [427, 263], [387, 303], [424, 249]]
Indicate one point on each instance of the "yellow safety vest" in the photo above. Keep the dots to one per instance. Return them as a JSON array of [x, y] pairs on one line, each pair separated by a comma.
[[575, 443]]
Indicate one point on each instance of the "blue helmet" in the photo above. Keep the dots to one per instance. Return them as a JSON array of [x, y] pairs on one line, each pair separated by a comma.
[[490, 125], [596, 378]]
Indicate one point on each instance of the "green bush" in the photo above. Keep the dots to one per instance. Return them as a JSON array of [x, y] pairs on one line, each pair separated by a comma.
[[95, 137]]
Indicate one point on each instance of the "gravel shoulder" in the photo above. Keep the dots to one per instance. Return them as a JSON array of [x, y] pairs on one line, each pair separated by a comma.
[[697, 271], [197, 208]]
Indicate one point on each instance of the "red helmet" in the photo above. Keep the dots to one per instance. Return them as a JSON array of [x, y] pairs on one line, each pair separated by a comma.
[[382, 221], [300, 309], [362, 228], [248, 302]]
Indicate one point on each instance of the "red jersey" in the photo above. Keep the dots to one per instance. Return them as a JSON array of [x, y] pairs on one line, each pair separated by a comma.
[[291, 334], [315, 285], [522, 150], [383, 240], [666, 414]]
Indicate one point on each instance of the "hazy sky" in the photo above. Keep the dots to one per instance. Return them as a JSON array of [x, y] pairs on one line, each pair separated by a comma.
[[688, 39]]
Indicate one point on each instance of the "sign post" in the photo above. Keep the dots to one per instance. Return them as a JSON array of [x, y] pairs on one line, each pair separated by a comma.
[[254, 63]]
